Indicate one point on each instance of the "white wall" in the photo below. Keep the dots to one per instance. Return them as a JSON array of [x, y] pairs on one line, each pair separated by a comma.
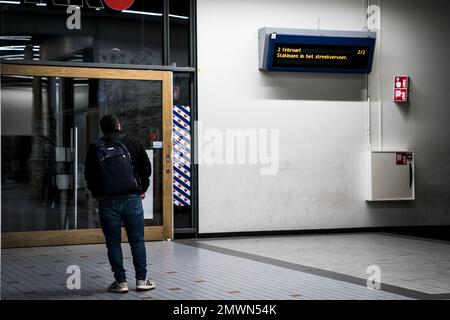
[[322, 118]]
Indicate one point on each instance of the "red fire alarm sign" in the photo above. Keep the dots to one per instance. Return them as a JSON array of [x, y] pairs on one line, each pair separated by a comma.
[[403, 158], [401, 88]]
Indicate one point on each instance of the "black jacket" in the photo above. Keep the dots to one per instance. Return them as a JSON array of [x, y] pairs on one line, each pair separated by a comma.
[[141, 164]]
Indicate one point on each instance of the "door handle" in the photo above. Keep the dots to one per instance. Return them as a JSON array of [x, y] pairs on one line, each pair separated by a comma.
[[410, 175], [168, 161], [74, 151]]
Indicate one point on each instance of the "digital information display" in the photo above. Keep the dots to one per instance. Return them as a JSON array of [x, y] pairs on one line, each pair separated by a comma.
[[320, 54]]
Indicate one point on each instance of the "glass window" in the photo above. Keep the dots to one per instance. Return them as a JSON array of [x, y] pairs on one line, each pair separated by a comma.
[[179, 17], [36, 32], [182, 150], [47, 126], [182, 88], [40, 32]]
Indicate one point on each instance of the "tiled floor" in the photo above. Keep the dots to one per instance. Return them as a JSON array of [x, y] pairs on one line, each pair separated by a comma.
[[184, 270], [416, 264]]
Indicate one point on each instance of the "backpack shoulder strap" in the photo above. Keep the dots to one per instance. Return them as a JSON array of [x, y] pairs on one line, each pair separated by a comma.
[[120, 138], [100, 143]]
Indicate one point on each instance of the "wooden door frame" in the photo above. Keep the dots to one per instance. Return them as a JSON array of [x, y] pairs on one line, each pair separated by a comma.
[[92, 236]]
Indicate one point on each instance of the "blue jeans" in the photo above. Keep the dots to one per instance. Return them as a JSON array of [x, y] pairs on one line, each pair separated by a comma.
[[127, 209]]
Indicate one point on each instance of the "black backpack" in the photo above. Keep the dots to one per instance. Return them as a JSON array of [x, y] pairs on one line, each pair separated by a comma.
[[116, 167]]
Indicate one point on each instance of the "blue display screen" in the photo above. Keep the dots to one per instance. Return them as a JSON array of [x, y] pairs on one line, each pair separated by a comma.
[[320, 54]]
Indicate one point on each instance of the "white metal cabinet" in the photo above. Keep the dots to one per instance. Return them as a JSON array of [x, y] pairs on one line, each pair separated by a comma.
[[390, 176]]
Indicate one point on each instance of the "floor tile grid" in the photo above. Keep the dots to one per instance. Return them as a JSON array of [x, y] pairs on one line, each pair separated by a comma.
[[319, 286], [235, 285], [188, 276], [416, 257], [327, 288], [181, 278], [168, 263], [31, 282], [60, 271], [85, 268]]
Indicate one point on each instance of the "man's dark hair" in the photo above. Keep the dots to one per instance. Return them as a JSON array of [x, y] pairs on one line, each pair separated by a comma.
[[109, 124]]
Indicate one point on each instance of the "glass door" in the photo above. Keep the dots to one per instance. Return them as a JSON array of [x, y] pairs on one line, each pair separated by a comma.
[[38, 155], [50, 115]]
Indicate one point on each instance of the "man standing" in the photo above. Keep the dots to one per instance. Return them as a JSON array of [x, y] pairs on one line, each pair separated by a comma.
[[117, 173]]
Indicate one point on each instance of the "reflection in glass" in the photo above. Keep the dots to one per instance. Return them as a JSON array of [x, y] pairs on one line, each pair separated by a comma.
[[179, 18], [134, 36], [47, 125]]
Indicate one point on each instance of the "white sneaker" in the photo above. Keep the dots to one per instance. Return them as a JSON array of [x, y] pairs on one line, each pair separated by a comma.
[[145, 285], [118, 287]]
